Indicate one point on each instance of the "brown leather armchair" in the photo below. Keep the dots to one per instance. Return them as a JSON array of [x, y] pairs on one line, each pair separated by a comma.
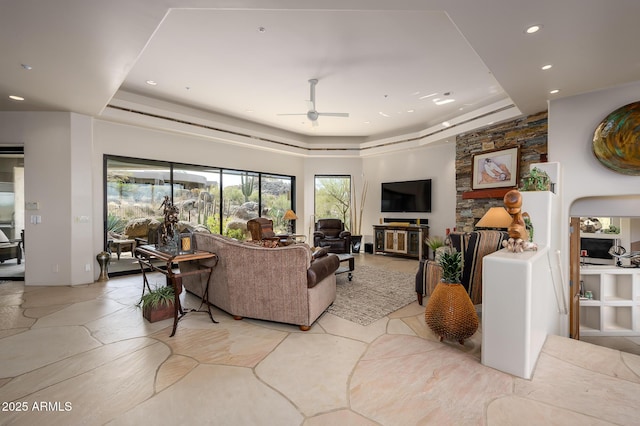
[[330, 233], [261, 228]]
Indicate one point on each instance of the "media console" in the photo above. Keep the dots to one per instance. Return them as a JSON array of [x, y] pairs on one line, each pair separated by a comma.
[[401, 240]]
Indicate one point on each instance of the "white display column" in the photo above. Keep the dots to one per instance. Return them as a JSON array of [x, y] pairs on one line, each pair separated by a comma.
[[519, 310], [522, 295]]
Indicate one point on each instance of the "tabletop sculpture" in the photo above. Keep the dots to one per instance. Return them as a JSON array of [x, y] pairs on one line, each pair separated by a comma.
[[518, 235], [168, 230]]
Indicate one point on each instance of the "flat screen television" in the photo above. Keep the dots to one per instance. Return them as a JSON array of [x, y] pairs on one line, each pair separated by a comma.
[[411, 196]]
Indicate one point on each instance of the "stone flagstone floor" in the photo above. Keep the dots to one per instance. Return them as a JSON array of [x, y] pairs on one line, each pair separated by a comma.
[[85, 355]]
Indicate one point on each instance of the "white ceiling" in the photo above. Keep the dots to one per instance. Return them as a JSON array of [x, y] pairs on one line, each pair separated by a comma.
[[370, 57]]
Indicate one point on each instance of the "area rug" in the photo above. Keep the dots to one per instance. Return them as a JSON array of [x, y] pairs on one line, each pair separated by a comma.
[[373, 293]]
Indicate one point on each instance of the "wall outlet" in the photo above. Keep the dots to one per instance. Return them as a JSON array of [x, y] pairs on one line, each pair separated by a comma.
[[87, 267], [55, 268]]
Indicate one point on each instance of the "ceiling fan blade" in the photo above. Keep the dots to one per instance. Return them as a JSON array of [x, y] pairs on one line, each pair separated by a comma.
[[302, 113], [334, 114]]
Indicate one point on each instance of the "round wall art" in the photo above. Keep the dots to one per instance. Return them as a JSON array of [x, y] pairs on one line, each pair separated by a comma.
[[616, 141]]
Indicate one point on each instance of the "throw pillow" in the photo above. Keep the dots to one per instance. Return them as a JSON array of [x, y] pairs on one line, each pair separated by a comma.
[[319, 252]]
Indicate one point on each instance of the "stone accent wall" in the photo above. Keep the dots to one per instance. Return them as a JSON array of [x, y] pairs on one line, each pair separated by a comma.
[[528, 133]]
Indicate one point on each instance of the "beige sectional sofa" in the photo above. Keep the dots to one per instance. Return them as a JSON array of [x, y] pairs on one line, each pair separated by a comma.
[[279, 284]]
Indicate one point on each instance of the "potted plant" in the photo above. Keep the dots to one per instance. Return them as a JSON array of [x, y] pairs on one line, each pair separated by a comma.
[[434, 243], [536, 180], [158, 304], [449, 311]]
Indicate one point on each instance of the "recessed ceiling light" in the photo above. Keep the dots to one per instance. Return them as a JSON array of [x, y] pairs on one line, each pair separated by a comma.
[[367, 122], [16, 98], [410, 110], [152, 82], [547, 67], [26, 67], [249, 110], [427, 96], [446, 124], [533, 29], [439, 101], [554, 91], [383, 114]]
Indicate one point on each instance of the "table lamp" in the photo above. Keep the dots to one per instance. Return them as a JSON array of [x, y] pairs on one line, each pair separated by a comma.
[[290, 216], [495, 218]]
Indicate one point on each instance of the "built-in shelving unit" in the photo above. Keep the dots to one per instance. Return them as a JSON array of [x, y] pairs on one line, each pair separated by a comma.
[[614, 309]]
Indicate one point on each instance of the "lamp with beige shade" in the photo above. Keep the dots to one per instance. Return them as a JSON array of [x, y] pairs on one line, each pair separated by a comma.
[[495, 218], [290, 216]]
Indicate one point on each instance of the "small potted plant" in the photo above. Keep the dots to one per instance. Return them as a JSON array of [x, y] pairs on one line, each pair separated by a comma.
[[434, 243], [158, 304], [536, 180]]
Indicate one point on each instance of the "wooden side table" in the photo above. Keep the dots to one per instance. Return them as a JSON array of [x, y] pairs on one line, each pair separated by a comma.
[[147, 253]]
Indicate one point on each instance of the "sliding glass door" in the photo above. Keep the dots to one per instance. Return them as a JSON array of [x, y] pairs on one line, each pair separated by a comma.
[[218, 200]]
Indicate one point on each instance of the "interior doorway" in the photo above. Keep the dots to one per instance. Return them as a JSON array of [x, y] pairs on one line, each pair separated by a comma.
[[12, 217], [608, 288]]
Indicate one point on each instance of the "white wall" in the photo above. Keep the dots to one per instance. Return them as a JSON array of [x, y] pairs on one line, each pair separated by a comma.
[[436, 162], [47, 137], [572, 122]]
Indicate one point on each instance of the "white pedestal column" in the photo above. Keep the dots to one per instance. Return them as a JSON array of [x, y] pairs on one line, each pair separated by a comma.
[[519, 310]]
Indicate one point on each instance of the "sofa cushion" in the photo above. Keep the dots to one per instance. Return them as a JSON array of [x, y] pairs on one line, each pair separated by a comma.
[[322, 268]]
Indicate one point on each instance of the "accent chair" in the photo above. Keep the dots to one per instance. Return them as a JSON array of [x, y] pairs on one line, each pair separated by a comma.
[[474, 246], [330, 234]]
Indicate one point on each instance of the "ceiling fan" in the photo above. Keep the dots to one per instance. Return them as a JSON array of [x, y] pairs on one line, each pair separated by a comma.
[[312, 114]]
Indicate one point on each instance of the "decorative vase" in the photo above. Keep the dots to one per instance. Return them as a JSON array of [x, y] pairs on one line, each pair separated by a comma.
[[103, 259], [450, 312], [356, 241]]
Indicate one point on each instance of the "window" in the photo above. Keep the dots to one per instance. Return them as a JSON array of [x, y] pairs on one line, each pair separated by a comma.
[[134, 190], [220, 200], [333, 198], [196, 193], [276, 197], [239, 202]]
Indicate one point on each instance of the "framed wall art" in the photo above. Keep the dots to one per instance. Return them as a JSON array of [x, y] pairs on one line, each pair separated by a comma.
[[495, 169], [616, 141]]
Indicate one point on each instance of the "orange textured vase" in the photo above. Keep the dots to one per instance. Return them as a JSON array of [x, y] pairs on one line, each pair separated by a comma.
[[450, 313]]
